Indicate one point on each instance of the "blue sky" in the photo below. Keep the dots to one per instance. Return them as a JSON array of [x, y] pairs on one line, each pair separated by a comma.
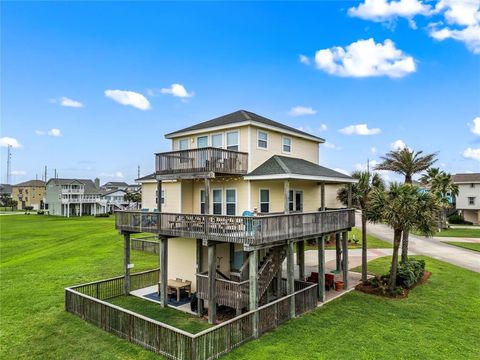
[[409, 70]]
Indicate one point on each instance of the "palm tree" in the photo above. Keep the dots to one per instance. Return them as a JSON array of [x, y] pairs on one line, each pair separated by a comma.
[[441, 185], [406, 162], [360, 197], [403, 207]]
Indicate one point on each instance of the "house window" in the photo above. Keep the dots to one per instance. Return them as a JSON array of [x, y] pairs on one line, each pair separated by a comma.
[[202, 201], [202, 141], [232, 140], [183, 144], [295, 200], [471, 200], [217, 141], [162, 200], [472, 185], [290, 201], [286, 145], [231, 201], [264, 200], [262, 140], [217, 201]]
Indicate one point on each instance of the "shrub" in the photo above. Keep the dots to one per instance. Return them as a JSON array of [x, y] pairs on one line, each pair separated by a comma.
[[102, 215], [40, 212], [409, 273], [458, 219], [28, 208]]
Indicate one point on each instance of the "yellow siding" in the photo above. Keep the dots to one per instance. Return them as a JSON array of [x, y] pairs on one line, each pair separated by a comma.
[[173, 196], [182, 259], [192, 139], [331, 196], [33, 194]]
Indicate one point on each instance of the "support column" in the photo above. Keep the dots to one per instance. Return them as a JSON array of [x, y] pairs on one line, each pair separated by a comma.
[[126, 263], [290, 278], [286, 193], [321, 268], [68, 210], [80, 209], [253, 289], [301, 260], [159, 195], [212, 289], [322, 196], [200, 302], [163, 254], [338, 252], [345, 258]]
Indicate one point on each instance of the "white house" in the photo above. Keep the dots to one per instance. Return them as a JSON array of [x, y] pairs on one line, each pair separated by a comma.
[[468, 200]]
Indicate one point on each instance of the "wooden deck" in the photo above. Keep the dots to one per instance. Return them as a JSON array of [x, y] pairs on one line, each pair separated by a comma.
[[192, 162], [258, 230]]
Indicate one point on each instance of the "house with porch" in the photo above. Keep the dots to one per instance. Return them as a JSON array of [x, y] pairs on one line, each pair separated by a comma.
[[230, 205]]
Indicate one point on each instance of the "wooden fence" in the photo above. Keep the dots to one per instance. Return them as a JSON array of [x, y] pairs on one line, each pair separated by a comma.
[[149, 246], [87, 302]]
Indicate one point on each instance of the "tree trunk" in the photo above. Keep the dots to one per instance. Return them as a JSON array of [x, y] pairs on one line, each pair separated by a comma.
[[364, 246], [405, 247], [397, 236]]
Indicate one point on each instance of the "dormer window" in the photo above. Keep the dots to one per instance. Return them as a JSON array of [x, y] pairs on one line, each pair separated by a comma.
[[262, 140]]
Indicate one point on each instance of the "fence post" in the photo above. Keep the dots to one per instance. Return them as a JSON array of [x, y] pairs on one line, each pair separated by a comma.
[[291, 278], [253, 290], [126, 263]]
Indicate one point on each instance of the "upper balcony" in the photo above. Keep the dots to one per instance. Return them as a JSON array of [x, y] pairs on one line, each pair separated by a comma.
[[202, 161], [73, 190], [258, 230]]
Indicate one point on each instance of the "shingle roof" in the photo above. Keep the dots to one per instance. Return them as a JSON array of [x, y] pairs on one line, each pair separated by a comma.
[[5, 189], [88, 184], [241, 116], [471, 177], [31, 183], [147, 177], [116, 183], [283, 165]]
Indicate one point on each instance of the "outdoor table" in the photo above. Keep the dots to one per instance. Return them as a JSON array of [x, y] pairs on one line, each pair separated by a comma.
[[178, 285]]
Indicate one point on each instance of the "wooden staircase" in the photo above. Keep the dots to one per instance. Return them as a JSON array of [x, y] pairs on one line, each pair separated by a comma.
[[269, 267]]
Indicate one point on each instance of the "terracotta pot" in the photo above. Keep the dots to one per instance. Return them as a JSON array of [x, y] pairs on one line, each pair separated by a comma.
[[339, 285]]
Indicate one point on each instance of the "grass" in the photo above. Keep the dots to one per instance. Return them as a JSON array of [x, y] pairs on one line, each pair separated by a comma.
[[468, 233], [372, 242], [168, 315], [439, 320], [465, 245]]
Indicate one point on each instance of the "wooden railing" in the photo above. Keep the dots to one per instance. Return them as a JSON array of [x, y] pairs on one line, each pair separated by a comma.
[[87, 302], [147, 245], [202, 160], [229, 293], [237, 229]]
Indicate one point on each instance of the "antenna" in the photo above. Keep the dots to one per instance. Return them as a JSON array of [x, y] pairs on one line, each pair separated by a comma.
[[138, 172], [9, 163]]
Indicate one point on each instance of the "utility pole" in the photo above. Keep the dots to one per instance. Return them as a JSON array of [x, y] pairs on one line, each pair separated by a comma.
[[9, 163], [45, 173], [138, 172]]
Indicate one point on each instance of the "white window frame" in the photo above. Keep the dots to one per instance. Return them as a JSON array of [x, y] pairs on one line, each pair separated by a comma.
[[222, 136], [180, 141], [238, 140], [203, 136], [258, 139], [260, 200], [200, 201], [227, 203], [213, 202], [283, 144]]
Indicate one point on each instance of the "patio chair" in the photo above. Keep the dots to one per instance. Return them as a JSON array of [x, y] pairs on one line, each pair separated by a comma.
[[178, 279], [329, 281], [313, 278]]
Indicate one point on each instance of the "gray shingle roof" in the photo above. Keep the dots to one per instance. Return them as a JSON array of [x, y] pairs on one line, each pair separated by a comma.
[[38, 183], [241, 116], [472, 177], [146, 177], [283, 165], [115, 183], [88, 184]]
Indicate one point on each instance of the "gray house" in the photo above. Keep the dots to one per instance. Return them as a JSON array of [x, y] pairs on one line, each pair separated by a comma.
[[74, 197]]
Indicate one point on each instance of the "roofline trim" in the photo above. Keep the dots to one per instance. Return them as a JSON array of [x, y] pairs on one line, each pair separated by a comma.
[[301, 177], [245, 123]]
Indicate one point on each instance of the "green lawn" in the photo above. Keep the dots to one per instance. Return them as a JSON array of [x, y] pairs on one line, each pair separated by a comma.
[[168, 315], [372, 242], [471, 233], [466, 245]]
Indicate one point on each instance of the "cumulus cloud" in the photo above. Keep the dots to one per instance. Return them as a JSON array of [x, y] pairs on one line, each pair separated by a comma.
[[177, 90], [128, 98], [384, 10], [329, 145], [398, 145], [359, 129], [365, 58], [52, 132], [471, 153], [301, 111], [18, 172], [67, 102], [304, 59], [6, 141], [475, 126], [323, 127]]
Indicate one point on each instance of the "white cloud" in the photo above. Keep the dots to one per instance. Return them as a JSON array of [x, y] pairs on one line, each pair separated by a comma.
[[329, 145], [384, 10], [398, 145], [40, 132], [301, 111], [130, 98], [116, 174], [360, 129], [323, 127], [67, 102], [373, 150], [54, 132], [365, 58], [343, 171], [177, 90], [18, 172], [471, 153], [6, 141], [304, 59], [475, 127], [460, 12]]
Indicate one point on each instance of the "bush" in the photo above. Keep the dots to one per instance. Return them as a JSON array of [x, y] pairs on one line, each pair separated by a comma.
[[102, 215], [410, 273], [458, 219], [40, 212], [28, 208]]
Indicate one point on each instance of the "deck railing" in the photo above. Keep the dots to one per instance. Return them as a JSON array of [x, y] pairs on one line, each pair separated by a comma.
[[167, 340], [229, 293], [237, 229], [202, 160]]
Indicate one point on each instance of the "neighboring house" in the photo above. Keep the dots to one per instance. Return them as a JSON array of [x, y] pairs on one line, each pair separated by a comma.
[[120, 185], [468, 200], [74, 197], [115, 200], [29, 193], [6, 189], [234, 165]]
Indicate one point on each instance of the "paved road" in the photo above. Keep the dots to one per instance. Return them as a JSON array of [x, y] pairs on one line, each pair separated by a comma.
[[429, 247]]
